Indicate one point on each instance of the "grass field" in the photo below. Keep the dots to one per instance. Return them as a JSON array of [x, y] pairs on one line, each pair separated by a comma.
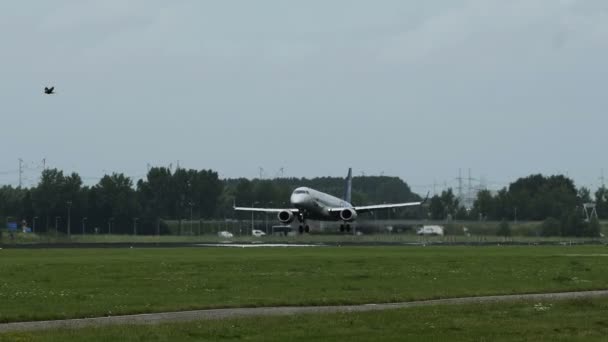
[[62, 283], [581, 320]]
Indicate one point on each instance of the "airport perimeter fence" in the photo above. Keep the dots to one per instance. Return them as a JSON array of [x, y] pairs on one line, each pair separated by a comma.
[[390, 231]]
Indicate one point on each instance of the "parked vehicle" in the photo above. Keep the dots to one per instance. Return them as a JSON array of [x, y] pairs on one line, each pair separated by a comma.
[[225, 234], [430, 230], [257, 233]]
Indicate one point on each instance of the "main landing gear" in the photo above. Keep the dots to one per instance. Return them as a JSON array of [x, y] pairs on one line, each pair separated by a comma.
[[345, 228], [303, 228]]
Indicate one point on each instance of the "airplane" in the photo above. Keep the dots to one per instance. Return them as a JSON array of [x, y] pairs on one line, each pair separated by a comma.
[[316, 205], [49, 91]]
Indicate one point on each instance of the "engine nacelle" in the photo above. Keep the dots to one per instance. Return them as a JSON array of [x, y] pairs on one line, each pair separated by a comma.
[[286, 216], [348, 215]]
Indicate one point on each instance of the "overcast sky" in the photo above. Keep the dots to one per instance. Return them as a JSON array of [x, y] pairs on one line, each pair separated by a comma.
[[415, 89]]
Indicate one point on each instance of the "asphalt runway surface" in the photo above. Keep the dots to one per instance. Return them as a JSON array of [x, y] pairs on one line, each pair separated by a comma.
[[198, 315], [215, 244]]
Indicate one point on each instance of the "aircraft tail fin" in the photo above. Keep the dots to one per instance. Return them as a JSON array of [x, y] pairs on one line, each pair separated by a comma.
[[349, 185]]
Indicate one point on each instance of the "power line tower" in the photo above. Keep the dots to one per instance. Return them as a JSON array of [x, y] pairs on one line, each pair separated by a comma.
[[469, 201], [43, 168], [20, 171], [483, 183], [471, 192], [460, 196], [589, 211]]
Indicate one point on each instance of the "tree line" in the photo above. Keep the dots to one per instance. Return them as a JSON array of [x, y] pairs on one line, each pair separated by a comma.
[[553, 199], [118, 205]]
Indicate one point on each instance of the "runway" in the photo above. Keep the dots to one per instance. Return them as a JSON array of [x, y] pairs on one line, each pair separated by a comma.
[[346, 243], [257, 245], [196, 315]]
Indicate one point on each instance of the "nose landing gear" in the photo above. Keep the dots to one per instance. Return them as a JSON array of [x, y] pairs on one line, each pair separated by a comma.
[[303, 228]]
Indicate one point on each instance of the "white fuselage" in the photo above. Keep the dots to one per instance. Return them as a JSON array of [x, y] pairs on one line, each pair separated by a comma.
[[316, 204]]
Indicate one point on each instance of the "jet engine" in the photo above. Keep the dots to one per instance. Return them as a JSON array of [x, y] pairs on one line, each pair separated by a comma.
[[286, 216], [348, 215]]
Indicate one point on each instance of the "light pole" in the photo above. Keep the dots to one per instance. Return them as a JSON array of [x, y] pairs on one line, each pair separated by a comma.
[[84, 220], [8, 219], [69, 218], [135, 225], [56, 224], [191, 206], [266, 216], [34, 224], [252, 224]]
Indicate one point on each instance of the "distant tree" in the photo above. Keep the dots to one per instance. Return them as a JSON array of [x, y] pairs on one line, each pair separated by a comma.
[[51, 197], [504, 229], [446, 205], [551, 227], [584, 195], [265, 192], [115, 198], [601, 202], [207, 190], [436, 208], [484, 205], [11, 201], [572, 224], [244, 193], [538, 197], [461, 213], [27, 207], [450, 202], [156, 194], [225, 203], [591, 228], [503, 205]]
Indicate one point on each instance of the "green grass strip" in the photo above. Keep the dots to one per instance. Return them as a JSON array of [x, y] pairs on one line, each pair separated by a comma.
[[580, 320], [71, 283]]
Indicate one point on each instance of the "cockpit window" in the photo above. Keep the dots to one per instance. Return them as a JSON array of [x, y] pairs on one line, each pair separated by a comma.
[[300, 192]]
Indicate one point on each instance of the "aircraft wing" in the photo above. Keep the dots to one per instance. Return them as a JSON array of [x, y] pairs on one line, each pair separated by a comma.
[[366, 208], [266, 210]]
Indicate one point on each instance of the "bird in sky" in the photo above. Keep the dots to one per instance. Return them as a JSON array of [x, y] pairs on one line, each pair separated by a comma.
[[49, 91]]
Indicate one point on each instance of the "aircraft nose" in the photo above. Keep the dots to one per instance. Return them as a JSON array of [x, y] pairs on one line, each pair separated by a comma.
[[299, 199]]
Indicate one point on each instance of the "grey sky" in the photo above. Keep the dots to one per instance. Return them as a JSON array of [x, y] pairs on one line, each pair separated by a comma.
[[415, 89]]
